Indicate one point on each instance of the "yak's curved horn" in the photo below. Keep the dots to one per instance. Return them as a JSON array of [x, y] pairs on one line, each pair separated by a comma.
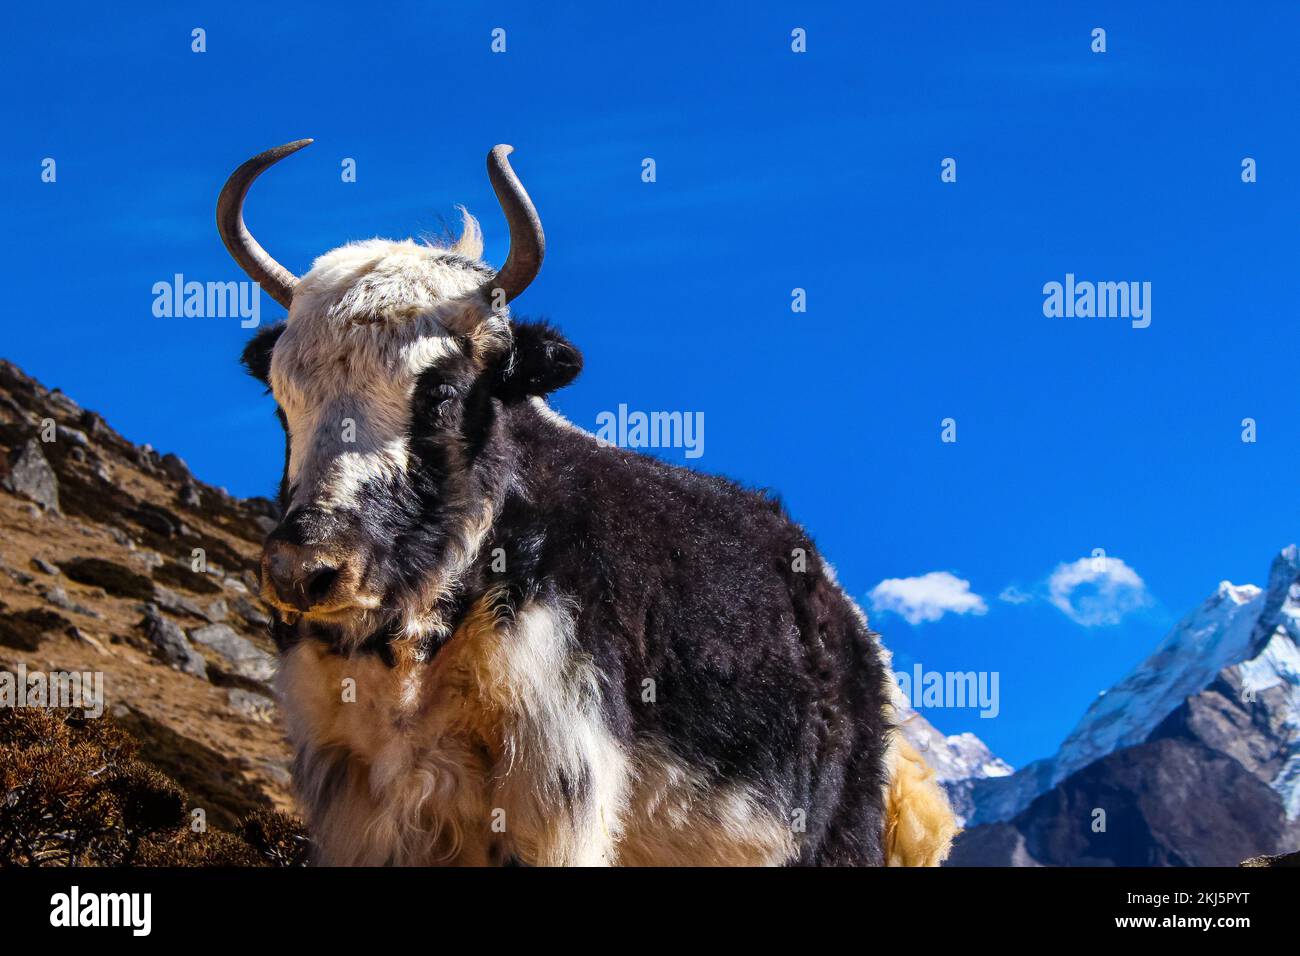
[[278, 281], [527, 242]]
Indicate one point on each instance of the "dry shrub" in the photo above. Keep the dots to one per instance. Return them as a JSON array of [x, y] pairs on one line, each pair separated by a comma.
[[73, 793]]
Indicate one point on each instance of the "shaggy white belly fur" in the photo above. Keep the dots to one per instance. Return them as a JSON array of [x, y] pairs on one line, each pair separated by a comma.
[[497, 749]]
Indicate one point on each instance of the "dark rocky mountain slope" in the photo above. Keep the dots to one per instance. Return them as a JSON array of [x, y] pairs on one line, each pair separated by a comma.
[[1193, 758]]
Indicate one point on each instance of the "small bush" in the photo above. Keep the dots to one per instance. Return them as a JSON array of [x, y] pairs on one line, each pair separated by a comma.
[[277, 838], [214, 848]]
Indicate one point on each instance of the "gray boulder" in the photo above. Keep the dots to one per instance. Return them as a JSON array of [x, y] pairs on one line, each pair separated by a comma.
[[177, 603], [251, 613], [217, 610], [148, 559], [72, 435], [173, 466], [254, 706], [31, 476], [59, 598], [244, 657], [172, 644]]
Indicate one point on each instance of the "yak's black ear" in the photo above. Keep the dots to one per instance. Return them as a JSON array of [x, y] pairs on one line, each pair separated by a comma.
[[540, 361], [257, 353]]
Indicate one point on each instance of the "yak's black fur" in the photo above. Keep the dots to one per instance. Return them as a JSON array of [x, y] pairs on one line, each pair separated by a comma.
[[764, 674]]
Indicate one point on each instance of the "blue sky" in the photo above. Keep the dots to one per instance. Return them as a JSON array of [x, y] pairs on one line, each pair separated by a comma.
[[775, 170]]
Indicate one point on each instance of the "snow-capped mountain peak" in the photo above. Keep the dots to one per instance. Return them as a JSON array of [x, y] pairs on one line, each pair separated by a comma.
[[1236, 593], [1213, 636], [1250, 635], [958, 760]]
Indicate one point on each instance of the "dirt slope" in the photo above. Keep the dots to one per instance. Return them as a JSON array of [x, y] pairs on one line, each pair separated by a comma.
[[98, 546]]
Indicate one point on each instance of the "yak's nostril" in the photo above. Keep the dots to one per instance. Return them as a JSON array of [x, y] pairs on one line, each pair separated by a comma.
[[281, 568], [298, 575], [317, 584]]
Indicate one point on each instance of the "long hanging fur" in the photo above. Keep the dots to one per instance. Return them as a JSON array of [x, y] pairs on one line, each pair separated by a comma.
[[919, 823]]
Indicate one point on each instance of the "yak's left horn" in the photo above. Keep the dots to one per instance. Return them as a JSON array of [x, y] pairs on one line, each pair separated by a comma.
[[278, 281], [527, 241]]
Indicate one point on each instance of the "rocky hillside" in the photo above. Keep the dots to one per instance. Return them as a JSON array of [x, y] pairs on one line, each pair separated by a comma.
[[115, 559], [1194, 757]]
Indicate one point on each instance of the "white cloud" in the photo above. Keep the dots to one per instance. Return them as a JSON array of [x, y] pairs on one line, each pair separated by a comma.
[[926, 598], [1013, 595], [1096, 591]]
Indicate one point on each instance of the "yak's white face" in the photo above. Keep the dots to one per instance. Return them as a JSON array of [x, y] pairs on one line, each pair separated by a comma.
[[391, 375], [366, 321], [368, 324]]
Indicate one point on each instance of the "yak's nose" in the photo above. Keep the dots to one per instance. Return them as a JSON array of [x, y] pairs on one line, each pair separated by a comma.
[[302, 576]]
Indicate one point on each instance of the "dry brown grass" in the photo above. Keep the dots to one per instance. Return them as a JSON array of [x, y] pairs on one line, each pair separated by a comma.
[[74, 793]]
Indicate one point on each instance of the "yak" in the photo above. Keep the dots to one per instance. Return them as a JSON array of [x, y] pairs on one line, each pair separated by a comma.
[[504, 642]]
